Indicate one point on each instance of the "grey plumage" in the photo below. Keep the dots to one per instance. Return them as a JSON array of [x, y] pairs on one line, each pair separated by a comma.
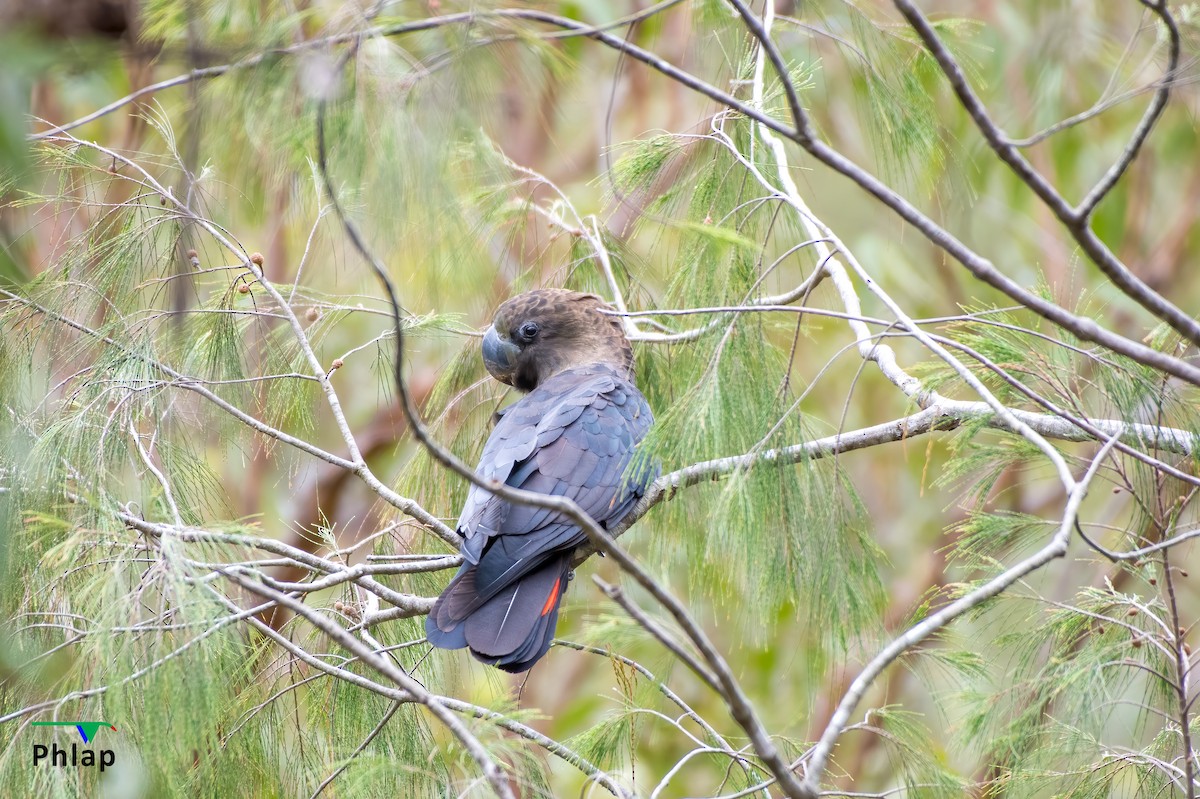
[[574, 435]]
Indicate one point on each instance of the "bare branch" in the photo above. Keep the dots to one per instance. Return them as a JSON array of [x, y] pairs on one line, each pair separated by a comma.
[[1141, 552], [415, 691], [1056, 548], [1151, 116], [656, 631], [407, 603], [979, 266], [371, 736], [1076, 220]]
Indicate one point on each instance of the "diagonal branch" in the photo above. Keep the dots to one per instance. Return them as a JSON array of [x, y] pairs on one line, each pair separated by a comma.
[[818, 757], [1153, 112], [180, 380], [415, 691], [729, 689], [882, 355], [266, 56], [555, 748], [982, 268], [1077, 220], [976, 264], [970, 101]]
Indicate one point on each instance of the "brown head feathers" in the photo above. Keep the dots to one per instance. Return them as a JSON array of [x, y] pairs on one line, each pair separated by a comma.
[[540, 333]]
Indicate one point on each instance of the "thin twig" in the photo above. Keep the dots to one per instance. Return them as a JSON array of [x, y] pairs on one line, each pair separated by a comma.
[[415, 691], [1056, 548], [371, 736], [1075, 220]]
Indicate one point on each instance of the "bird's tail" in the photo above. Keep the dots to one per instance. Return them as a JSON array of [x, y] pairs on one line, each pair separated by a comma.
[[510, 630]]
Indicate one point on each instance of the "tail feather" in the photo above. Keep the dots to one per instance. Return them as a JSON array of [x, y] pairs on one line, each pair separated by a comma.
[[513, 628]]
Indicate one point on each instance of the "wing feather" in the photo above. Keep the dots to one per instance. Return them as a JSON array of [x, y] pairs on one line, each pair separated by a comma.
[[574, 436]]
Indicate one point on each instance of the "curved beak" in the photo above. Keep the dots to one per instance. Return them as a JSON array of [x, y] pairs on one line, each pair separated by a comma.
[[499, 355]]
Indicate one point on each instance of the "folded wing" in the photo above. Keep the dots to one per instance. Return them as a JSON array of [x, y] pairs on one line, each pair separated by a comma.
[[574, 436]]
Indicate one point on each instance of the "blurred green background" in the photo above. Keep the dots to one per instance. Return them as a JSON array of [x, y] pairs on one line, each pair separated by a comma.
[[435, 140]]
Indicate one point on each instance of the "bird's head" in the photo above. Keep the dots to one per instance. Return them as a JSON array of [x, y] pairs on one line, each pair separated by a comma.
[[538, 334]]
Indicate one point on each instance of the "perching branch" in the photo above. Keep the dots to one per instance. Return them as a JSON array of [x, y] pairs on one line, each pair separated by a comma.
[[1151, 440], [731, 692]]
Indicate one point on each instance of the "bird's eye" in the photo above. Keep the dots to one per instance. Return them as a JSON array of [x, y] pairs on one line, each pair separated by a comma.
[[529, 330]]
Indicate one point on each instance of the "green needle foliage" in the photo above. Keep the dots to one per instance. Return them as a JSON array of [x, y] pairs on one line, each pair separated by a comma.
[[188, 334]]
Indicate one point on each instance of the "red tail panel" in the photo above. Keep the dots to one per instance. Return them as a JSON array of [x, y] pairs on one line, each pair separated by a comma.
[[549, 606]]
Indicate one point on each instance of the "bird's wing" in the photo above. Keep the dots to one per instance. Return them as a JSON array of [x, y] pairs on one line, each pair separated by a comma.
[[573, 437]]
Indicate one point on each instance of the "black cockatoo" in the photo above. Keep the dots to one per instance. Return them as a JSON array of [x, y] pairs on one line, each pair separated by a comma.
[[572, 435]]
